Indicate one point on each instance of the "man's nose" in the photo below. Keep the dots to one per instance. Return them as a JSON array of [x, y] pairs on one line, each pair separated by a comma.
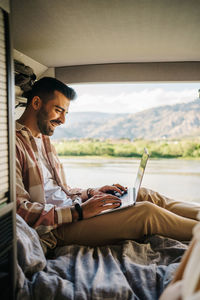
[[62, 118]]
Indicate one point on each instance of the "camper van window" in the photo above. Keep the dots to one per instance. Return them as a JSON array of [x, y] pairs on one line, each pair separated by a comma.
[[108, 126]]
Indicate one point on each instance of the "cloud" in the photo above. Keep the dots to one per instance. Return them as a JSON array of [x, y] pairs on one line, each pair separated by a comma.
[[130, 101]]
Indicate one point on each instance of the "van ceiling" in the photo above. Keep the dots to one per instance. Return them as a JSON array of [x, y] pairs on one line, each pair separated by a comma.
[[65, 33]]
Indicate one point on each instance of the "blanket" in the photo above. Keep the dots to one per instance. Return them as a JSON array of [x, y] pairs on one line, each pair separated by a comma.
[[128, 270]]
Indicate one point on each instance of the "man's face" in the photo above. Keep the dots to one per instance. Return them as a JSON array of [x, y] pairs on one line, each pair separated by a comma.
[[52, 114]]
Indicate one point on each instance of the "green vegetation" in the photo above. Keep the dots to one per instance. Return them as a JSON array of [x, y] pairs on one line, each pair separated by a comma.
[[126, 148]]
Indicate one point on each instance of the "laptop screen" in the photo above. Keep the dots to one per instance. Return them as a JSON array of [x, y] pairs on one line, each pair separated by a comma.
[[141, 169]]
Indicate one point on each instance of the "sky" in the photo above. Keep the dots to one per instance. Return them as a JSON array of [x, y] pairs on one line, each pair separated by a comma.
[[129, 97]]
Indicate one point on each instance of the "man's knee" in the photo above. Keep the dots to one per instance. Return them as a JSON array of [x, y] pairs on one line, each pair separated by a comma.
[[143, 194], [147, 213], [148, 209], [148, 195]]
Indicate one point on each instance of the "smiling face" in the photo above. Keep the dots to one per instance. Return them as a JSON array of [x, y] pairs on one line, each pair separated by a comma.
[[52, 114]]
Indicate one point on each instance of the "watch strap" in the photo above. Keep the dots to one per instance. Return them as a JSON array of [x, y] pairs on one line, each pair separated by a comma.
[[79, 211]]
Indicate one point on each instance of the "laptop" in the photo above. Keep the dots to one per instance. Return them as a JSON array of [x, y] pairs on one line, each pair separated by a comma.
[[129, 198]]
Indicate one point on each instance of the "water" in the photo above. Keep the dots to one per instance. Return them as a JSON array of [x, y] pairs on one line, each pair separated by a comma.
[[177, 179]]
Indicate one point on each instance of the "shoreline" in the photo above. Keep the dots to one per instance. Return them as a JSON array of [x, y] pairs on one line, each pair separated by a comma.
[[93, 157]]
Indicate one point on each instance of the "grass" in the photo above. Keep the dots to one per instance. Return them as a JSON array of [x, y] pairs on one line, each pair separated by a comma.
[[187, 149]]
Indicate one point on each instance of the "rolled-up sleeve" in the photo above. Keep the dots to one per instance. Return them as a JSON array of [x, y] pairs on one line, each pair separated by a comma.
[[39, 215]]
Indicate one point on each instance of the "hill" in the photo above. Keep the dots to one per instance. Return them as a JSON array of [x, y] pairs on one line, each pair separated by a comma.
[[170, 121]]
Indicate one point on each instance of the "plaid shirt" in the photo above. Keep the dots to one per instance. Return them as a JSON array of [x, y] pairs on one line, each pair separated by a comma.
[[31, 203]]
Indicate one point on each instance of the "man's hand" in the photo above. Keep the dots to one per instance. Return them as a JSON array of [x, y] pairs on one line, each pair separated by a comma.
[[99, 203], [109, 189]]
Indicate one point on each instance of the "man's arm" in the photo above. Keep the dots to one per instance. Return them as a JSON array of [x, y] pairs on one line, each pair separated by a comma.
[[41, 216], [45, 217]]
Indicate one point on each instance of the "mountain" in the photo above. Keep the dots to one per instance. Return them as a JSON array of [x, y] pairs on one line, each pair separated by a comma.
[[170, 121]]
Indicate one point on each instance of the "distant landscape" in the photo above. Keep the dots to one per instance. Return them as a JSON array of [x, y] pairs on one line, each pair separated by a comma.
[[167, 131], [171, 122], [160, 149]]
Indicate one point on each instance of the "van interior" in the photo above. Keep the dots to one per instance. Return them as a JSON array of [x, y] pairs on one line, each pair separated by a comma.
[[88, 41]]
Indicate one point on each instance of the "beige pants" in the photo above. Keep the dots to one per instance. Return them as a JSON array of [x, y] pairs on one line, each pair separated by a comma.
[[152, 214]]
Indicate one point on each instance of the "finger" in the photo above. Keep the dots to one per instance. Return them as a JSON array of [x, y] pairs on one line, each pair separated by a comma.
[[111, 206], [102, 200], [121, 187], [109, 202], [109, 197], [112, 189]]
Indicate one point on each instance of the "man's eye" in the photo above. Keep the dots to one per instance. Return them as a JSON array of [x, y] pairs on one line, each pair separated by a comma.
[[57, 110]]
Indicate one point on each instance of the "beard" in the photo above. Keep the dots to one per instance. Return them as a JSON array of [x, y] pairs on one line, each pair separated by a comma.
[[44, 123]]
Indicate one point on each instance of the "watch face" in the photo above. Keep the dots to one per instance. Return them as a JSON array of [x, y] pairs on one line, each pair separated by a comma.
[[78, 200]]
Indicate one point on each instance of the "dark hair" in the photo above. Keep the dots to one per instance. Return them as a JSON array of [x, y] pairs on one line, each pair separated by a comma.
[[45, 88]]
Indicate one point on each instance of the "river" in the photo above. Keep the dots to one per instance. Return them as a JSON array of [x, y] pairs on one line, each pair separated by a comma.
[[178, 179]]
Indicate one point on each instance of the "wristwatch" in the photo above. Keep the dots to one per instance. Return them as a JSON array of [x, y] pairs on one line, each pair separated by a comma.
[[78, 208]]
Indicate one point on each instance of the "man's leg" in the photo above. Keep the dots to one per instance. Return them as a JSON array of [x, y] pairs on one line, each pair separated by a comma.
[[131, 223], [184, 209]]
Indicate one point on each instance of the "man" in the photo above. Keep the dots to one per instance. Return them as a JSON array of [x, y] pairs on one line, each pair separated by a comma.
[[63, 215]]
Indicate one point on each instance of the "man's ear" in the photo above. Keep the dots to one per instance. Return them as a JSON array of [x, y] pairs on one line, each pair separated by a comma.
[[36, 103]]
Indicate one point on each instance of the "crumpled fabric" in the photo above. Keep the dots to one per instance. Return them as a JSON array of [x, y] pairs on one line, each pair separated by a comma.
[[24, 76], [128, 270]]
